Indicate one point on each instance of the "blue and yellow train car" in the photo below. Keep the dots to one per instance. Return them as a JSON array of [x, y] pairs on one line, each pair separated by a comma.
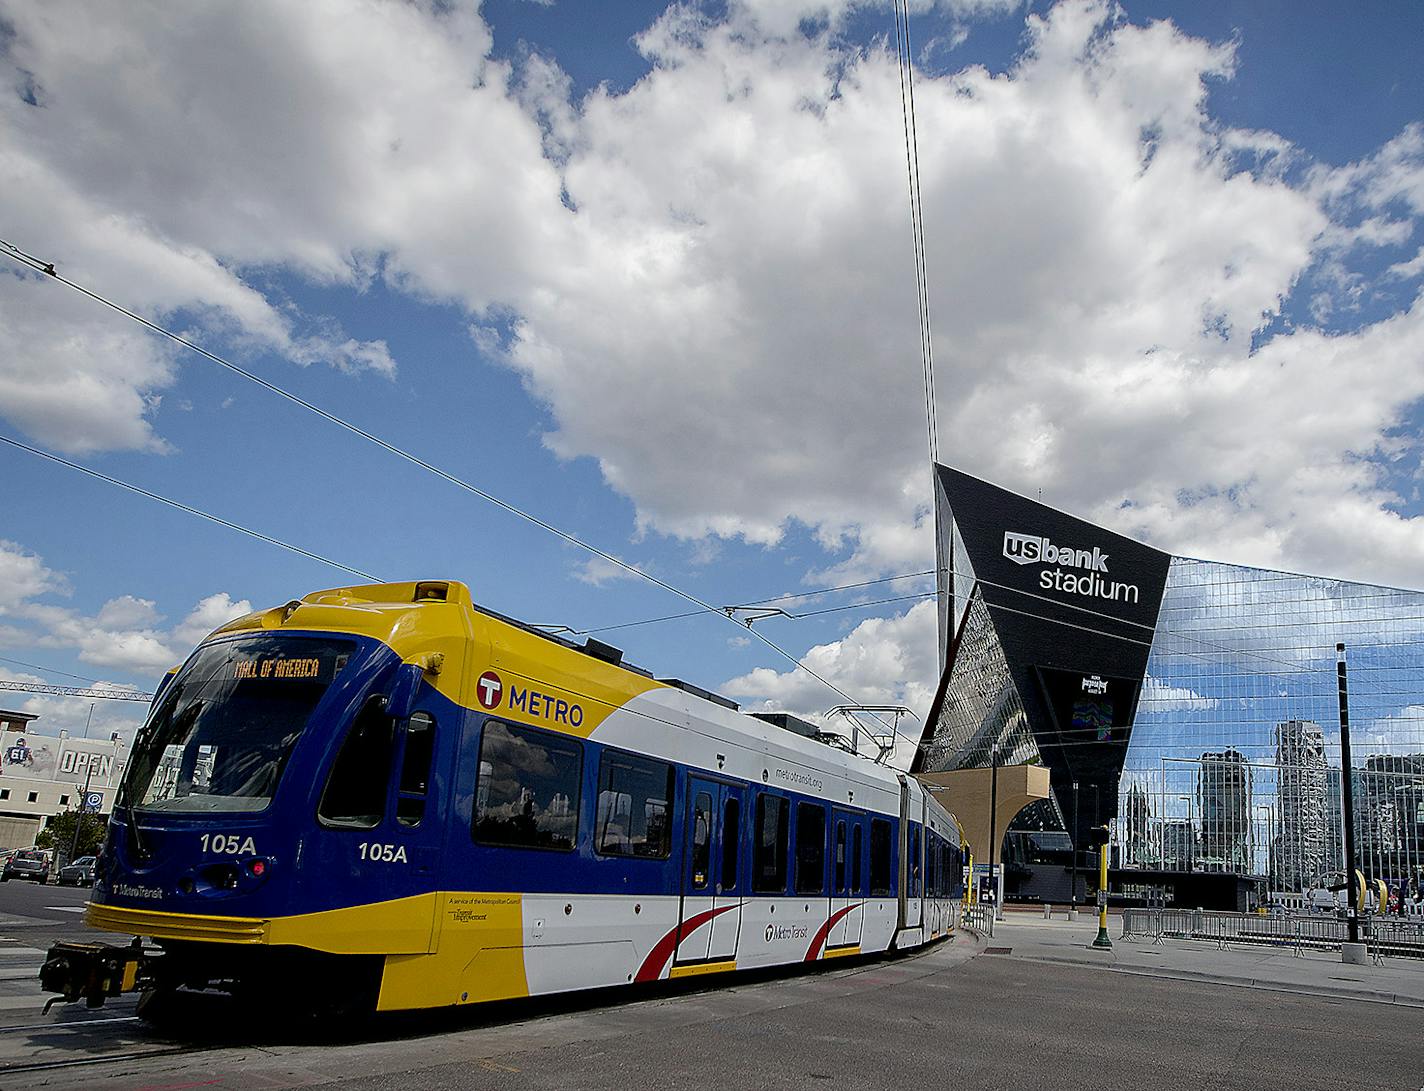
[[386, 797]]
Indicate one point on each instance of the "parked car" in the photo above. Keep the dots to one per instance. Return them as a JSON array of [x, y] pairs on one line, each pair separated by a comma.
[[27, 864], [79, 873]]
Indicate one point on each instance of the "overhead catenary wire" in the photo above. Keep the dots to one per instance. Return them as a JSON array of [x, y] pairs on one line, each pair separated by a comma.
[[47, 670], [48, 269], [188, 508], [788, 597]]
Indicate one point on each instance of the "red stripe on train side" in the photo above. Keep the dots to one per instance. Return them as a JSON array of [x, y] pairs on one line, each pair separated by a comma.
[[662, 952], [814, 951]]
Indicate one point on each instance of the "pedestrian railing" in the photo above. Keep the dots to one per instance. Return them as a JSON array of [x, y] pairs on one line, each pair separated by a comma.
[[1395, 939], [979, 918], [1385, 937]]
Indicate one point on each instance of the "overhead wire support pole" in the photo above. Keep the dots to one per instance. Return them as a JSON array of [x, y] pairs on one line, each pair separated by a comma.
[[905, 58]]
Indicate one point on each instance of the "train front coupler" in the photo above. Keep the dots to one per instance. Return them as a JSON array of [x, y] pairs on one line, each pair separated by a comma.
[[93, 972]]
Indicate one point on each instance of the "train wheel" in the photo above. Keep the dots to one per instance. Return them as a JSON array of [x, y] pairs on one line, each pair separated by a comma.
[[158, 1006]]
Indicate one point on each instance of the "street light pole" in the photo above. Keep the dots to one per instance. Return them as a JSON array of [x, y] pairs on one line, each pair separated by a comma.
[[993, 815], [1347, 793], [79, 818], [1073, 843]]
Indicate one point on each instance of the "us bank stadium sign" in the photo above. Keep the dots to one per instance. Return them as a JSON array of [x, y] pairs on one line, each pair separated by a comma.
[[1074, 571]]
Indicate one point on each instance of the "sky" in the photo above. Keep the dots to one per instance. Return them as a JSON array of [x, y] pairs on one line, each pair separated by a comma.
[[645, 272]]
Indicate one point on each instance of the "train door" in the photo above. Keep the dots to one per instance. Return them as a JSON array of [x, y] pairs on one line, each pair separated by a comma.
[[903, 887], [847, 879], [712, 872], [381, 824]]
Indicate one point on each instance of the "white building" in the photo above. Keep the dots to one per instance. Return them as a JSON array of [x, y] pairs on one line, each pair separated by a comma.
[[41, 775]]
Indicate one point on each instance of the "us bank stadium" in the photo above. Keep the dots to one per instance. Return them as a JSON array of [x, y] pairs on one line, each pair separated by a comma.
[[1191, 704]]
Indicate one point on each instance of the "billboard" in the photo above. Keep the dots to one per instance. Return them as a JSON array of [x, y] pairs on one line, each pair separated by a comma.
[[43, 757]]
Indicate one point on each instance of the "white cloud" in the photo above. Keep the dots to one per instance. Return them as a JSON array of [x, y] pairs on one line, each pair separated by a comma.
[[215, 610], [127, 612], [1100, 263], [708, 279], [127, 633], [597, 571], [23, 576], [882, 661]]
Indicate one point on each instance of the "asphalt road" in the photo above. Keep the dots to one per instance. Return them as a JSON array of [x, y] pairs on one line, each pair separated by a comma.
[[946, 1019], [990, 1023], [37, 910]]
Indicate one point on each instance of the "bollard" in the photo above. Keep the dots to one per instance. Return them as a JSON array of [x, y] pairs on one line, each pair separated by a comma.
[[1047, 911]]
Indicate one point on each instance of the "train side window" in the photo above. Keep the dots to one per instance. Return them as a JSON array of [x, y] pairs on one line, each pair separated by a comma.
[[879, 856], [840, 856], [769, 850], [855, 847], [731, 842], [810, 848], [701, 840], [528, 790], [634, 802], [355, 793], [415, 768]]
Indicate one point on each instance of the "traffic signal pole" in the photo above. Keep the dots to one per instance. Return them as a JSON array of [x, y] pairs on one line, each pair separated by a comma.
[[1100, 835]]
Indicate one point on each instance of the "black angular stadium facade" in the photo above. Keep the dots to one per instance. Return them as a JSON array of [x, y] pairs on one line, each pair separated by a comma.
[[1190, 703]]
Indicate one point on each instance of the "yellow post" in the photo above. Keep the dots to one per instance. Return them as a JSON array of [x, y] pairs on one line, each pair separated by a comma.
[[1101, 837]]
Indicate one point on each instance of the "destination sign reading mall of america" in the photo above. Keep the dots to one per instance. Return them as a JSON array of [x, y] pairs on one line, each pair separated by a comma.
[[1036, 549]]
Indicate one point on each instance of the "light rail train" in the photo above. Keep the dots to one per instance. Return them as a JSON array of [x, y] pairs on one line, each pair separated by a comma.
[[386, 797]]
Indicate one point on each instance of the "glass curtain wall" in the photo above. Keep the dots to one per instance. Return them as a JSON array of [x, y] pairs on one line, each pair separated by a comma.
[[1234, 759]]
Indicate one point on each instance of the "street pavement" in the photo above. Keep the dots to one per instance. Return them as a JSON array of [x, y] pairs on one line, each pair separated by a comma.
[[1039, 1013]]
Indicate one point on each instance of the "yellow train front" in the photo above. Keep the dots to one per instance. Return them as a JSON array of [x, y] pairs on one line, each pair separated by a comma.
[[384, 797]]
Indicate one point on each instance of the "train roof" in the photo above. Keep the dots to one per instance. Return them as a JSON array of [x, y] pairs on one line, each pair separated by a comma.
[[432, 622]]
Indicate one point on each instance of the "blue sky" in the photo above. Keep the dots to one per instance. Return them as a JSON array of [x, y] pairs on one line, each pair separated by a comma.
[[646, 274]]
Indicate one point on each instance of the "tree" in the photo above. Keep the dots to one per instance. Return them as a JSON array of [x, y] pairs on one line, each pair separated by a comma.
[[58, 834]]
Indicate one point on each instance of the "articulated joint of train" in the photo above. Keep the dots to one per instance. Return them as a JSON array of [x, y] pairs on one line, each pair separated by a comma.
[[93, 972]]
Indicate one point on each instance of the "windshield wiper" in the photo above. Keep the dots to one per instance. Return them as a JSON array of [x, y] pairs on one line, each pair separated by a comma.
[[131, 824]]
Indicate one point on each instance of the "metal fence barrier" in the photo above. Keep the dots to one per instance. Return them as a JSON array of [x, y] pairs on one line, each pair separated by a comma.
[[1385, 937], [979, 918]]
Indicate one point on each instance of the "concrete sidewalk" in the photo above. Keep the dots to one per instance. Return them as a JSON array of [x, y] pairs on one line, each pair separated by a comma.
[[1314, 973]]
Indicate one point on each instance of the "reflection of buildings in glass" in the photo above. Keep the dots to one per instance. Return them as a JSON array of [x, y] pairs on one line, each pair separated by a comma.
[[1224, 809], [1178, 844], [1137, 832], [1298, 858], [1388, 816], [1233, 663], [483, 791]]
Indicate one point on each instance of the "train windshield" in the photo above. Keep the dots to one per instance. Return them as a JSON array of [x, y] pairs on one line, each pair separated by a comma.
[[225, 726]]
